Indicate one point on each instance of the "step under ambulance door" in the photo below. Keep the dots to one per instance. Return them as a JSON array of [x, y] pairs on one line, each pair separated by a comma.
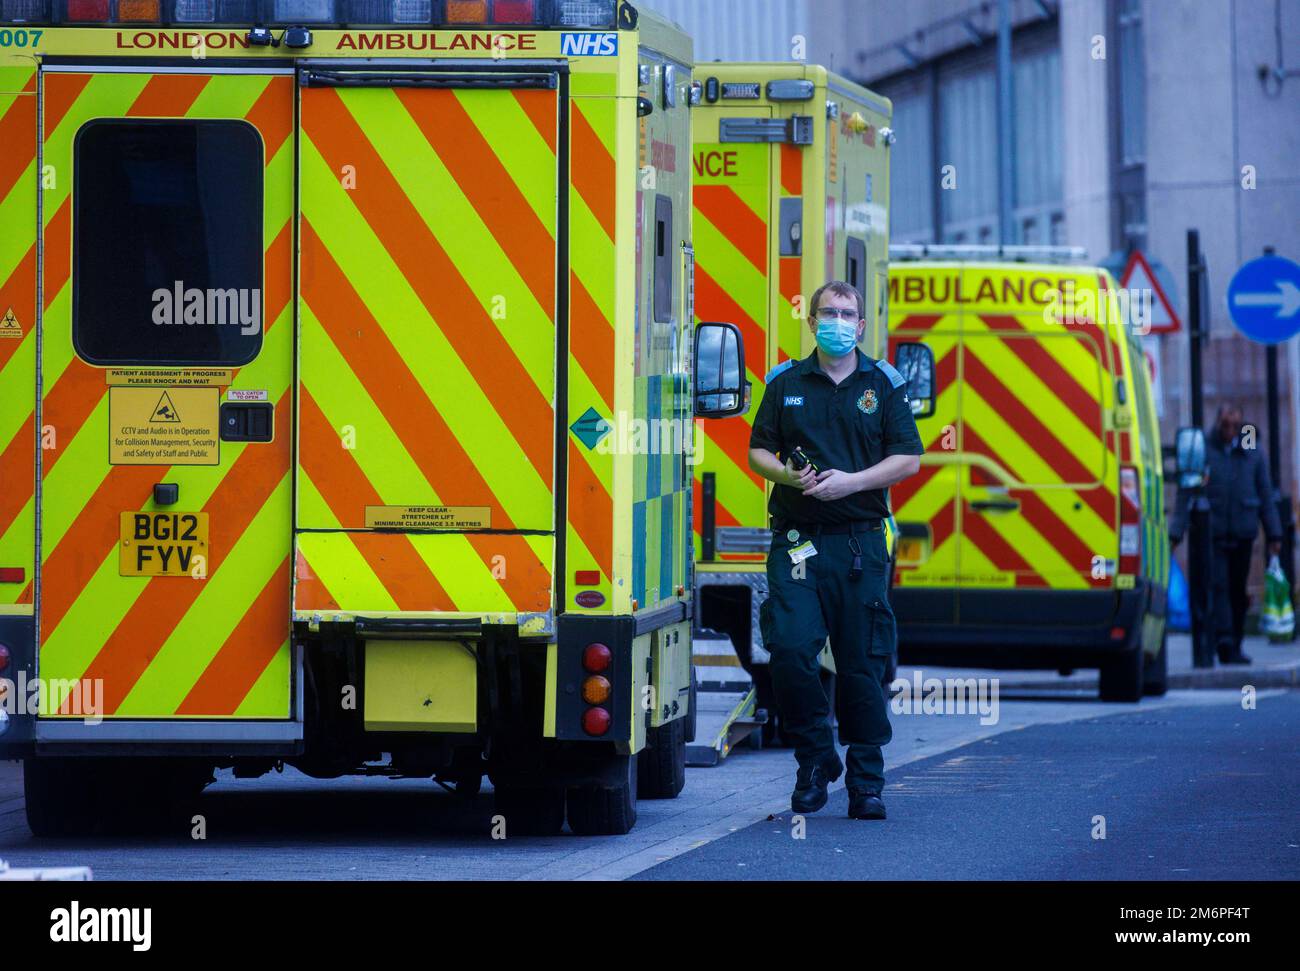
[[166, 400], [428, 291]]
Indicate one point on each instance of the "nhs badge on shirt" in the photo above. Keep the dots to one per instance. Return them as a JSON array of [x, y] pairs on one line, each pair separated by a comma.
[[794, 399]]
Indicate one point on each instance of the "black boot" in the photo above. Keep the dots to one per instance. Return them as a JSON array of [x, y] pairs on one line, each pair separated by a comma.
[[810, 784], [865, 805]]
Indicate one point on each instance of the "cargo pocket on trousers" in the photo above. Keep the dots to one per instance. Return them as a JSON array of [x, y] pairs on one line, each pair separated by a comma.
[[883, 632]]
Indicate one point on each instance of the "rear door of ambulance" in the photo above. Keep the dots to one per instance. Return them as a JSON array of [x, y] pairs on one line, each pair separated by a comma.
[[736, 207], [927, 506], [429, 221], [1038, 495], [165, 395]]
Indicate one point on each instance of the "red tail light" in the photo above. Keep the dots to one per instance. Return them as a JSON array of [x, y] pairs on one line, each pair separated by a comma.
[[12, 574], [88, 11], [595, 721], [596, 658], [513, 12], [1130, 521]]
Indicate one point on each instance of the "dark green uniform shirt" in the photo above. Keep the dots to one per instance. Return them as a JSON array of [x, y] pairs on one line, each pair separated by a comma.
[[850, 426]]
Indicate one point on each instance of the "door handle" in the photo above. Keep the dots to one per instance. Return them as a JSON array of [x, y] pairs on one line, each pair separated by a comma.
[[995, 505]]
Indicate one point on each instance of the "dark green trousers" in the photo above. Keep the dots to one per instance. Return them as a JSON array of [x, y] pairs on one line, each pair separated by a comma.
[[806, 606]]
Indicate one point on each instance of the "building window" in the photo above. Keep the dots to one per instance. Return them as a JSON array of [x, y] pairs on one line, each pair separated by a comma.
[[968, 143], [1036, 82], [1132, 83], [912, 171]]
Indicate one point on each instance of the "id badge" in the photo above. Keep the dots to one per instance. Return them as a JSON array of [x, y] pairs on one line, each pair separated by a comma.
[[801, 552]]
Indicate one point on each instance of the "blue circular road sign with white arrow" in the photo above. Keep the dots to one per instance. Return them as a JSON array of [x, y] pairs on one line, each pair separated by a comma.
[[1264, 299]]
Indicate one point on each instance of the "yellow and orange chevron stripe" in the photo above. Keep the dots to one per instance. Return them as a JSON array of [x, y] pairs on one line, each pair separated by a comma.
[[1030, 403]]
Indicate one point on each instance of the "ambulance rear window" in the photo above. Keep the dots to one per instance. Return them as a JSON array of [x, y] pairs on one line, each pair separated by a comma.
[[167, 242]]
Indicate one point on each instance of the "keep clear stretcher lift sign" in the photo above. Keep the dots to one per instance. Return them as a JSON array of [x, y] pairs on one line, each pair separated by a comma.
[[169, 418]]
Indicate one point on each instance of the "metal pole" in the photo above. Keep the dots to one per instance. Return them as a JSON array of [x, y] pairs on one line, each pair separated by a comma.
[[1006, 144], [1200, 543], [1281, 500]]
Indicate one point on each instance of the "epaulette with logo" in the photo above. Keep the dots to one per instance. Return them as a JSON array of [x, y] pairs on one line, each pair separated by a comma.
[[891, 372], [783, 366]]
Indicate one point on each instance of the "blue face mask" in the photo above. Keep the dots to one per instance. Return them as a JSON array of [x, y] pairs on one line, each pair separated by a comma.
[[837, 337]]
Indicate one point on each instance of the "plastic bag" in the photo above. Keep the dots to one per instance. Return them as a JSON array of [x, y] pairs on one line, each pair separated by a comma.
[[1278, 619], [1179, 615]]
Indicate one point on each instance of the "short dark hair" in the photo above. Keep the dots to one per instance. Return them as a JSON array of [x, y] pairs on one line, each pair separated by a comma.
[[840, 289]]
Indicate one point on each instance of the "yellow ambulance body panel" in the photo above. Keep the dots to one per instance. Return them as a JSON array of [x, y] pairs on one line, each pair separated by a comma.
[[791, 169], [1034, 534]]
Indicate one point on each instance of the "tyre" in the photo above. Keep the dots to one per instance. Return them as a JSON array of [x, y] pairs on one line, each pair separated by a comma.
[[60, 796], [1121, 679], [601, 811], [661, 765], [90, 796], [530, 811], [467, 773], [1155, 673]]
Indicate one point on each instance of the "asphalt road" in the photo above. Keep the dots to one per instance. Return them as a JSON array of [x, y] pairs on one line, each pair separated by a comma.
[[1190, 785], [1196, 793]]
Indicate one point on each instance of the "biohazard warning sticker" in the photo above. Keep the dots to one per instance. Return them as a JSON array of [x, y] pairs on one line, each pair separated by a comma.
[[429, 517], [163, 426], [9, 326]]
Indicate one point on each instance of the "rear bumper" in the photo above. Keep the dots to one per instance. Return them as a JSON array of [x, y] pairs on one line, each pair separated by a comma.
[[1070, 628]]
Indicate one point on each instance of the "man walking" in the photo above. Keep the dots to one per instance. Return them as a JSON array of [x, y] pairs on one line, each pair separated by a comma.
[[834, 432], [1241, 498]]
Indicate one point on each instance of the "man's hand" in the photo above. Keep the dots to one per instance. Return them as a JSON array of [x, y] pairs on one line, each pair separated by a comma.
[[834, 484], [799, 478]]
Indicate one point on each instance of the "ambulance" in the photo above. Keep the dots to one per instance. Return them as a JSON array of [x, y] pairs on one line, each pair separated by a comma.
[[346, 320], [1034, 535], [791, 189]]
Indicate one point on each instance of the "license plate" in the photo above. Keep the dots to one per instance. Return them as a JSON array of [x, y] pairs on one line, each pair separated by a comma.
[[910, 550], [164, 544]]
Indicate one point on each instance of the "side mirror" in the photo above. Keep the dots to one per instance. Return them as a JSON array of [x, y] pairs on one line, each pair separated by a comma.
[[1189, 457], [721, 389], [915, 362]]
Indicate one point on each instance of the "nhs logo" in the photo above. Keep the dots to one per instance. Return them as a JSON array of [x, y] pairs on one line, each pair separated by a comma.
[[589, 45]]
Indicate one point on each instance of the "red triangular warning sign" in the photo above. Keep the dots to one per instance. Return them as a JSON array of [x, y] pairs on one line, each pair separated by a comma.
[[1138, 279]]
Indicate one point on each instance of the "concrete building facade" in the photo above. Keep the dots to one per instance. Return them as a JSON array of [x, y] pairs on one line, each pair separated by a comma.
[[1134, 121]]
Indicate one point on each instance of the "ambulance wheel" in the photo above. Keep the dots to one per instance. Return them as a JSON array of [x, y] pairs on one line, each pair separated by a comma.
[[467, 773], [530, 811], [606, 811], [661, 765], [1121, 679], [60, 797], [1155, 674]]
